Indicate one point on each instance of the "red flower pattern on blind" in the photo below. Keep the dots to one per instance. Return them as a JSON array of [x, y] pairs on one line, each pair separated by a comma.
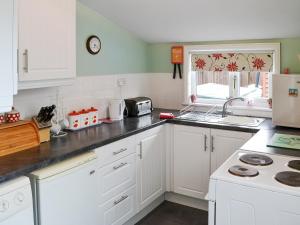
[[217, 56], [232, 67], [251, 62], [258, 63], [200, 63]]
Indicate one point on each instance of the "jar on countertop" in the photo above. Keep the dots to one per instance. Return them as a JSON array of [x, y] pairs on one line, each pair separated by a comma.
[[2, 118], [12, 116], [74, 120], [93, 116], [85, 119]]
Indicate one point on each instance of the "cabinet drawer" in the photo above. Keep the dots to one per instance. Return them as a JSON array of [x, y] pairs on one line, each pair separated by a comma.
[[115, 151], [116, 177], [119, 209]]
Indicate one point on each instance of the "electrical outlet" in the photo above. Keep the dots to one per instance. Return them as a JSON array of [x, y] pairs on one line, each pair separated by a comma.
[[122, 82]]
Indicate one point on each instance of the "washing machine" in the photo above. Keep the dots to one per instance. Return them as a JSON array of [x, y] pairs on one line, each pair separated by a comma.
[[16, 206]]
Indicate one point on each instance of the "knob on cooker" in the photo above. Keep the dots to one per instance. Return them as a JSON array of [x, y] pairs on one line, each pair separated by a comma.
[[19, 198], [4, 205]]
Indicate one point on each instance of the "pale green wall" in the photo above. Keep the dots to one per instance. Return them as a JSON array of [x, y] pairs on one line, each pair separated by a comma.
[[159, 54], [121, 51]]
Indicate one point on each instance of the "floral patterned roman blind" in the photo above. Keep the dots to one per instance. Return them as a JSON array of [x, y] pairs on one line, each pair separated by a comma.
[[250, 62]]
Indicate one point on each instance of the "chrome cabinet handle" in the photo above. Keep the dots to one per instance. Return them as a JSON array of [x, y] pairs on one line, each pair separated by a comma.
[[141, 151], [25, 55], [120, 200], [119, 166], [120, 151], [212, 144], [205, 143]]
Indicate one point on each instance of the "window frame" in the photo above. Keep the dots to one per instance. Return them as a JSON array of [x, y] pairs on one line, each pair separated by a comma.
[[253, 47]]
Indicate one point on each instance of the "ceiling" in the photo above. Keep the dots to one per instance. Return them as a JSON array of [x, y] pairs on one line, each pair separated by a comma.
[[203, 20]]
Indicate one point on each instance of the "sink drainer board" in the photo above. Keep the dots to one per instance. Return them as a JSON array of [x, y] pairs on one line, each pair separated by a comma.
[[218, 119], [285, 141]]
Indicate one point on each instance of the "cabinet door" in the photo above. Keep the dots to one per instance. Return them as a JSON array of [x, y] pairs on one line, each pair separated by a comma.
[[47, 39], [151, 166], [224, 143], [7, 54], [191, 161]]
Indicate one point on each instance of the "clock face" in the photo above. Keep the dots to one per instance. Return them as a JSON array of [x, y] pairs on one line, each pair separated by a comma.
[[93, 45]]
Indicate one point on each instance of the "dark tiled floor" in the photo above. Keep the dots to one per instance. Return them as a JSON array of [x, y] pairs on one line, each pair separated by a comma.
[[169, 213]]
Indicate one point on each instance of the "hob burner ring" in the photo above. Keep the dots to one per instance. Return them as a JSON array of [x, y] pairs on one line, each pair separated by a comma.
[[289, 178], [243, 171], [256, 159], [294, 164]]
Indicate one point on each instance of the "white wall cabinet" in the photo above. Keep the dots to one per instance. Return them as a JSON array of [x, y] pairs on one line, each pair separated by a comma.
[[150, 166], [47, 35], [198, 152], [191, 161], [8, 54], [224, 143]]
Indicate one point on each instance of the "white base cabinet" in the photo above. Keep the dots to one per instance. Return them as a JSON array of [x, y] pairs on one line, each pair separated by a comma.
[[116, 182], [198, 152], [119, 209], [191, 161], [132, 172], [151, 167], [224, 143], [131, 175]]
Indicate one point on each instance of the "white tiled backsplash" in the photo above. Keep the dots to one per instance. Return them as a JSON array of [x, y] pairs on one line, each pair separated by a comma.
[[95, 91]]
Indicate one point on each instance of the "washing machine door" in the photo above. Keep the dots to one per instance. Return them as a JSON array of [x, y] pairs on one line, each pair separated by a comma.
[[24, 217]]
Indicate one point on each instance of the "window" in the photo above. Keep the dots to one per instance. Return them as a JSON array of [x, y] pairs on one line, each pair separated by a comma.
[[216, 73], [216, 85]]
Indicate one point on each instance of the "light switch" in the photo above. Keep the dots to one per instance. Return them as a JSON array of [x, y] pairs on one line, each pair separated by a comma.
[[122, 82]]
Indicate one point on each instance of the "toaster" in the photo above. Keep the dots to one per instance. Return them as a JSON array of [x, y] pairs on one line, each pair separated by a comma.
[[138, 106]]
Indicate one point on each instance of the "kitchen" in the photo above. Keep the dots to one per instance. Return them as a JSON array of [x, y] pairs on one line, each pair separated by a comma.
[[81, 145]]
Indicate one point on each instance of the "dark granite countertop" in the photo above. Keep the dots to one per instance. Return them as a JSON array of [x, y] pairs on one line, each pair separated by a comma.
[[75, 143], [78, 142], [260, 140]]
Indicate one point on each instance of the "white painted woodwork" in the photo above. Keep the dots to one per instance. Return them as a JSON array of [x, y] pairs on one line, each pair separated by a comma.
[[224, 143], [115, 151], [119, 209], [7, 54], [116, 177], [47, 36], [151, 165], [191, 161]]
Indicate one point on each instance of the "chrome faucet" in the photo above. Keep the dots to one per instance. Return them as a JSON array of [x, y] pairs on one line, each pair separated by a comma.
[[224, 111]]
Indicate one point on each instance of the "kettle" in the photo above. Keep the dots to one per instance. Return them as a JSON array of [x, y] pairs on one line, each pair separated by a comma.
[[116, 109]]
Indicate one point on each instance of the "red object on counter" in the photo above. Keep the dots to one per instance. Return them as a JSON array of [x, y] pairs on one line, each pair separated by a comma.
[[13, 116], [286, 71], [166, 116], [106, 120]]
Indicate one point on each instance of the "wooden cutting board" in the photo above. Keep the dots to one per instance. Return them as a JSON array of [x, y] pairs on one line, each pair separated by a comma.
[[19, 136]]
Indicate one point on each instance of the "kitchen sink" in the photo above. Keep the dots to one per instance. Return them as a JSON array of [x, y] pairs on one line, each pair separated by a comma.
[[200, 117], [218, 119], [241, 121]]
